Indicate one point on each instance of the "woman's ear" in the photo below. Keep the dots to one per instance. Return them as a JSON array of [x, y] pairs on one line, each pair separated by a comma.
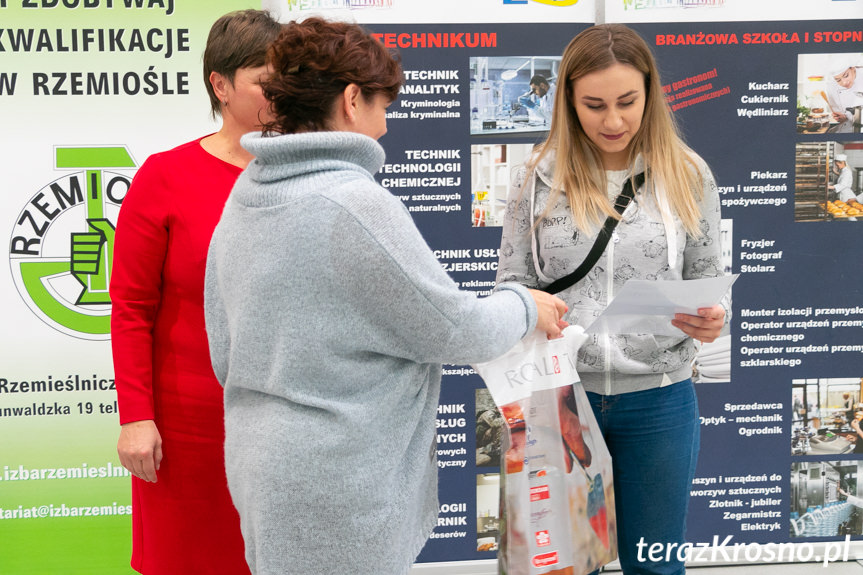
[[220, 87], [350, 98]]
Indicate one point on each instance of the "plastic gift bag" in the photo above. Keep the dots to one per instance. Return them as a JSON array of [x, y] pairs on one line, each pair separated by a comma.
[[557, 497]]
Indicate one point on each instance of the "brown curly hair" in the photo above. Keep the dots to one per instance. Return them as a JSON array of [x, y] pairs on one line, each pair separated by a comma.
[[313, 61]]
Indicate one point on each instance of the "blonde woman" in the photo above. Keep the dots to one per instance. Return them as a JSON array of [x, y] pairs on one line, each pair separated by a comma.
[[610, 124]]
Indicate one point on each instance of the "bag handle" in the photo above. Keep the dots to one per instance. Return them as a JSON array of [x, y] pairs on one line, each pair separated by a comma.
[[602, 239]]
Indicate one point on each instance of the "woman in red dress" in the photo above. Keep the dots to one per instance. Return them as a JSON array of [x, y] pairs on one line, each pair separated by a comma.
[[172, 434]]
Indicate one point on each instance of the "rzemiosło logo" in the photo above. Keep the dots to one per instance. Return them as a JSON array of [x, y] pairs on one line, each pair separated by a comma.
[[62, 244]]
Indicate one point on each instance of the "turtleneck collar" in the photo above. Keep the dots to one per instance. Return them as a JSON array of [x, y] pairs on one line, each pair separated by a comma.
[[284, 156]]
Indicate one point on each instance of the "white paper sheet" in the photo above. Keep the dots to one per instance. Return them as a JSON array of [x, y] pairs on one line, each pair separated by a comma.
[[644, 306]]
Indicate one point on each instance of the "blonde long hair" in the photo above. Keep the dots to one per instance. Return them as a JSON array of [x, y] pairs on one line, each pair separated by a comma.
[[578, 171]]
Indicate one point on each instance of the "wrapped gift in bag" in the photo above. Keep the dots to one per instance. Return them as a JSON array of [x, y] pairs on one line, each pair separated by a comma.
[[557, 497]]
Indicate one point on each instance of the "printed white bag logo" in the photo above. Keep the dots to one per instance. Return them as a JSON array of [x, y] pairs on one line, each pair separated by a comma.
[[533, 364]]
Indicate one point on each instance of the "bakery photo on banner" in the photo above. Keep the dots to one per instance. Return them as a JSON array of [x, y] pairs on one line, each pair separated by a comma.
[[828, 181]]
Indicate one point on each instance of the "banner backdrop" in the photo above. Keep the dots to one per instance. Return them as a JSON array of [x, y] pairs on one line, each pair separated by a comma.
[[90, 88]]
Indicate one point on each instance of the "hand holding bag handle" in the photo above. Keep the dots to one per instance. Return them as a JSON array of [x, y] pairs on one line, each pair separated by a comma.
[[602, 239]]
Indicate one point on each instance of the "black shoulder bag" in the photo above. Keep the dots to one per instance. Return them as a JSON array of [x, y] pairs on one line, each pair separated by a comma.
[[602, 238]]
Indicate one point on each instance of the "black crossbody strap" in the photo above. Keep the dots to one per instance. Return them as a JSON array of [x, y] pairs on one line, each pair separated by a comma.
[[602, 239]]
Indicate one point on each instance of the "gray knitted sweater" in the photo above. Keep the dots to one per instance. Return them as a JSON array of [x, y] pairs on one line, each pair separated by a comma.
[[328, 319]]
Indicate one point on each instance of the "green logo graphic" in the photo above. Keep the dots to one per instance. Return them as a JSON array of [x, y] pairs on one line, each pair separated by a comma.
[[62, 244]]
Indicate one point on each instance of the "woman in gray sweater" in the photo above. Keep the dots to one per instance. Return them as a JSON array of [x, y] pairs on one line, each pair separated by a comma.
[[329, 318]]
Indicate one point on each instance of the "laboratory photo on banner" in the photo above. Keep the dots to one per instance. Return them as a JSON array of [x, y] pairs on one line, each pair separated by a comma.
[[829, 93], [825, 499], [826, 416], [828, 182], [492, 170], [512, 94]]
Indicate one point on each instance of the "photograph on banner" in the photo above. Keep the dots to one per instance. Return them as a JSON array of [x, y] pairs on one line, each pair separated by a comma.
[[712, 362], [828, 181], [492, 167], [487, 512], [830, 93], [826, 416], [489, 427], [511, 95], [825, 499]]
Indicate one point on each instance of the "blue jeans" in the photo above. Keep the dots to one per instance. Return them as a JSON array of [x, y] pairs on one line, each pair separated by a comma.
[[653, 436]]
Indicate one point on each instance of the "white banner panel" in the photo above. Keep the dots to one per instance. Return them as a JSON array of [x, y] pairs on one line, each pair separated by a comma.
[[437, 11], [634, 11]]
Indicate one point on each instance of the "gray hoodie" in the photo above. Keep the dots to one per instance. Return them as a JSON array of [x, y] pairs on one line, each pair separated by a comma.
[[648, 243]]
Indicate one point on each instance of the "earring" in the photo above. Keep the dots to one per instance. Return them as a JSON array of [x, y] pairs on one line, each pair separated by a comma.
[[224, 102]]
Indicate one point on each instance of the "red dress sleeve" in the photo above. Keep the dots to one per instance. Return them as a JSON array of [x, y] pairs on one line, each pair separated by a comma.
[[140, 248]]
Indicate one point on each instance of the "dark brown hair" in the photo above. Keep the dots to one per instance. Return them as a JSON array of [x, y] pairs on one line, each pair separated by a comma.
[[539, 79], [237, 40], [314, 61]]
